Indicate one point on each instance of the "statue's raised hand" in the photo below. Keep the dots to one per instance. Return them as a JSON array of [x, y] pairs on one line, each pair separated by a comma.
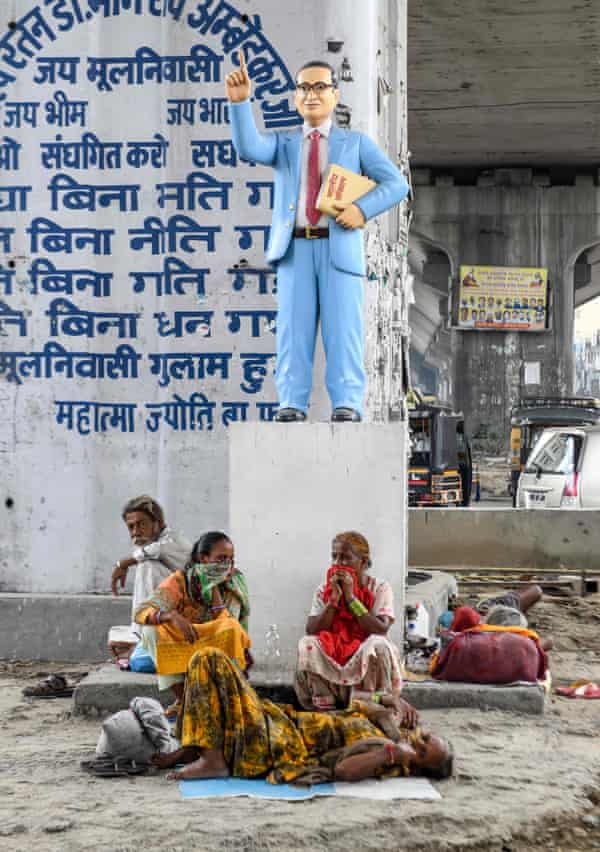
[[237, 83]]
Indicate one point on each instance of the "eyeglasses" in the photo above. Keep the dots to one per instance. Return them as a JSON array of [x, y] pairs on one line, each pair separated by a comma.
[[303, 89]]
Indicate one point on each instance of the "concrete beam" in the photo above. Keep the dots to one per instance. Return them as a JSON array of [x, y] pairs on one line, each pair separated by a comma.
[[419, 340], [518, 538], [427, 300], [525, 95], [592, 289], [421, 177], [593, 255], [420, 320]]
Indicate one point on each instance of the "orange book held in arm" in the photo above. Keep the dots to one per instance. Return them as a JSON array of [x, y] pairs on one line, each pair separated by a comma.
[[341, 187]]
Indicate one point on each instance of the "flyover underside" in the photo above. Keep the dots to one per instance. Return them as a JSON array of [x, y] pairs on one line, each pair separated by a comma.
[[507, 225], [514, 83]]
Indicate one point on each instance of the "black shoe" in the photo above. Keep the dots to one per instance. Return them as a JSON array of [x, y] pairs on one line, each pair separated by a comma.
[[290, 415], [345, 415]]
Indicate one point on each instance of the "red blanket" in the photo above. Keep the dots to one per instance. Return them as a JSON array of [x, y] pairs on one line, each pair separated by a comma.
[[346, 635], [477, 656]]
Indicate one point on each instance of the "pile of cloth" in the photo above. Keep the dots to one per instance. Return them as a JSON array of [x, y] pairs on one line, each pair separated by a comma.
[[489, 653]]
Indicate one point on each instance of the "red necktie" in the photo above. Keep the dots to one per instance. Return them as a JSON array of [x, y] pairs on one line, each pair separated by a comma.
[[313, 184]]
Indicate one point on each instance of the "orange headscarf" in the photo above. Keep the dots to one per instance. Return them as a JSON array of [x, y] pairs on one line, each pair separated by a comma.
[[346, 635], [357, 542]]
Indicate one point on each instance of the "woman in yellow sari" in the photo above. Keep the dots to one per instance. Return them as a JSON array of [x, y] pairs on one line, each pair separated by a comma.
[[204, 605], [226, 729]]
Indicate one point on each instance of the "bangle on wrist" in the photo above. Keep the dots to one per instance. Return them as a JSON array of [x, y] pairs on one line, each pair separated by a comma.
[[376, 697], [158, 616], [357, 608], [219, 606], [390, 754]]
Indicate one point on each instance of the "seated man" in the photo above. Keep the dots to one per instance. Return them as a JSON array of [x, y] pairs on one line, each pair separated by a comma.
[[226, 729], [157, 550], [205, 604], [346, 653]]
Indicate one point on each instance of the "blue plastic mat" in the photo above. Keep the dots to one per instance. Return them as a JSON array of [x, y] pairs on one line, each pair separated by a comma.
[[392, 788], [249, 787]]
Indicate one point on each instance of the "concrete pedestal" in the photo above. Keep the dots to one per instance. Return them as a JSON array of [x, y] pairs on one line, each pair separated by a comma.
[[291, 488]]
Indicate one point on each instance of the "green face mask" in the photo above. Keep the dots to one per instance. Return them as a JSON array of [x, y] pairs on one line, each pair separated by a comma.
[[204, 576]]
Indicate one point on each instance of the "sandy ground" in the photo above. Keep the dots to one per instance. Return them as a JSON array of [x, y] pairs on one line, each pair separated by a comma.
[[521, 782]]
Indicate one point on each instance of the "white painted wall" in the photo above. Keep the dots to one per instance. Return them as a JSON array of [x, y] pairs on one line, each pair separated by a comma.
[[291, 490], [61, 491]]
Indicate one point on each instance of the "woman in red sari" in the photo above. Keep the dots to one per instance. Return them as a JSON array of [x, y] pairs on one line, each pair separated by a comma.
[[346, 653]]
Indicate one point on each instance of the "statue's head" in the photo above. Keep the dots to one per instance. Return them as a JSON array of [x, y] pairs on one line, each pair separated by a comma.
[[317, 92]]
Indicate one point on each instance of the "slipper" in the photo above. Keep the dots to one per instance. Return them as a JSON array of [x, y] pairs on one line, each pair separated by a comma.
[[103, 767], [580, 689], [53, 686], [108, 767]]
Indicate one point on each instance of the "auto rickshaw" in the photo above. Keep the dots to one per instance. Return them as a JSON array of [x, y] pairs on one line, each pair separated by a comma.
[[535, 413], [440, 467]]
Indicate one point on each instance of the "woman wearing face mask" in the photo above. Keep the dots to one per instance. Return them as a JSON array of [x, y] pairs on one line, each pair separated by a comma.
[[204, 605], [346, 653]]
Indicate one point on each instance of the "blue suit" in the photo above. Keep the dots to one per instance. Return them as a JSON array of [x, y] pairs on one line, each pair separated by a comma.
[[318, 279]]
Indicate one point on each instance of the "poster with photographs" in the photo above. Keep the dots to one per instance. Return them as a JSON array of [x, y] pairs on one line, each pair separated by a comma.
[[503, 298]]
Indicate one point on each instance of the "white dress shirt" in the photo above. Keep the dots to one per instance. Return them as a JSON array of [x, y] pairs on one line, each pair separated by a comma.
[[155, 561], [324, 129]]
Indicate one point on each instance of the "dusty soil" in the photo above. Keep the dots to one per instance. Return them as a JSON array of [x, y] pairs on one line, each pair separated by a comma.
[[521, 783]]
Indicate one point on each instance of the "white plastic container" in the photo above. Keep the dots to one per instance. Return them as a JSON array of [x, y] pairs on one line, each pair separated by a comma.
[[417, 626]]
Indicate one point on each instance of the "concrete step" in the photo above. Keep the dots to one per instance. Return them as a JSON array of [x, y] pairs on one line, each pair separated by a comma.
[[528, 699], [65, 628], [109, 689]]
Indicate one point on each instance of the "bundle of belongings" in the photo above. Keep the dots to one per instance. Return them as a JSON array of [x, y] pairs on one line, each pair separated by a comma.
[[130, 738], [498, 651]]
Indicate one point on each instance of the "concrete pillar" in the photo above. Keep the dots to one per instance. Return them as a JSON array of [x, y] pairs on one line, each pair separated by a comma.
[[510, 226], [65, 478], [291, 488]]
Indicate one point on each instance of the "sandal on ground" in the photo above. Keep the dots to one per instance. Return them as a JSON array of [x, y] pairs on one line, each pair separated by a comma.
[[580, 689], [108, 767], [53, 686]]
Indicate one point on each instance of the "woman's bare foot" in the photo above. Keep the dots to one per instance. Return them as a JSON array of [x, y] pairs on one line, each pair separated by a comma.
[[211, 764], [182, 755]]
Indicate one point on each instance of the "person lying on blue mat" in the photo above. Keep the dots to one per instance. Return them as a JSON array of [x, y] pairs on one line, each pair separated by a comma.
[[225, 729]]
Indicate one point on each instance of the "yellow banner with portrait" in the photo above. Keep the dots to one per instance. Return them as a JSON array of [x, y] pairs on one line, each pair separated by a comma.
[[503, 298]]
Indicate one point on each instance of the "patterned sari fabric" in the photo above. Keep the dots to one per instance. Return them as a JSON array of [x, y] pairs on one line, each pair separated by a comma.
[[322, 683], [224, 632], [259, 738]]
